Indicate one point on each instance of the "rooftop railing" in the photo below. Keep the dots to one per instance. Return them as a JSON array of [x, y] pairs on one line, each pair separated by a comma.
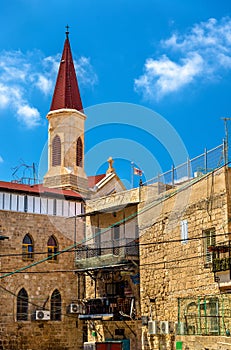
[[195, 167]]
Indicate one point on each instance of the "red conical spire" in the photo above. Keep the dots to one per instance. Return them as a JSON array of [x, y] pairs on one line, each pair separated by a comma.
[[66, 93]]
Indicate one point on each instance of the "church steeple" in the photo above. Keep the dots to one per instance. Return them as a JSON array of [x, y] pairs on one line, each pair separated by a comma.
[[66, 130], [66, 93]]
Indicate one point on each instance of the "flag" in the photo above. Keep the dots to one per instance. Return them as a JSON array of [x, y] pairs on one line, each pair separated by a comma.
[[137, 171]]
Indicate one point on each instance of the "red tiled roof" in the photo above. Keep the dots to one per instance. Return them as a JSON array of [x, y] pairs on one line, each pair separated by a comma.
[[37, 189], [66, 93], [40, 189], [93, 180]]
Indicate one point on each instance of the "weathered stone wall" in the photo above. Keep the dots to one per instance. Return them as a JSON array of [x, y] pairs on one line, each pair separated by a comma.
[[40, 281], [107, 330], [170, 268], [210, 343]]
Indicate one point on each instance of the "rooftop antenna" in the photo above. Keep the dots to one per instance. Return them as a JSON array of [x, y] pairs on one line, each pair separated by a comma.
[[23, 178]]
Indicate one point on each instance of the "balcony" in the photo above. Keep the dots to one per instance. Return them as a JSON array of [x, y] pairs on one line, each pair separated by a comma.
[[108, 308], [107, 253], [221, 261], [221, 264], [221, 257]]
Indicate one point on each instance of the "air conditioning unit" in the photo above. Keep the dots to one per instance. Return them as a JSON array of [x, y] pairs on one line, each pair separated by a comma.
[[153, 327], [42, 315], [89, 346], [75, 308], [166, 327]]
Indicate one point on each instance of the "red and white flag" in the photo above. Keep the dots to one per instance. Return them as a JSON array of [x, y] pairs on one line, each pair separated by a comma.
[[137, 171]]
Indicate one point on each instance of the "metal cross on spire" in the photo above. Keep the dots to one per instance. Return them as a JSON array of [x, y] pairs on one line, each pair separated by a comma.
[[67, 30]]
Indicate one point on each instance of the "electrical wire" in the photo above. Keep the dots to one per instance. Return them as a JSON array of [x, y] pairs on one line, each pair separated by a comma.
[[151, 205], [37, 262], [74, 248], [144, 265], [32, 303]]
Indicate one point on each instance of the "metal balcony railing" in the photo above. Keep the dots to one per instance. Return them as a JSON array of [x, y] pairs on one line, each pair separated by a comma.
[[117, 308], [221, 258], [121, 248]]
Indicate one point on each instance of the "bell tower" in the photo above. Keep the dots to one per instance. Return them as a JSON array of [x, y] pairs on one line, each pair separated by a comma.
[[66, 129]]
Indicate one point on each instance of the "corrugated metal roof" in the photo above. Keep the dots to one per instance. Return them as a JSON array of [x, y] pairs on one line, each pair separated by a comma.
[[40, 189]]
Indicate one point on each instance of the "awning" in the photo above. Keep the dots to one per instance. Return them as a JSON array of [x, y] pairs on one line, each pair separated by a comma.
[[124, 266], [103, 317], [110, 209]]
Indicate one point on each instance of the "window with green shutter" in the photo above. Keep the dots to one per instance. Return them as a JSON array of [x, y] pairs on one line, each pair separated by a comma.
[[209, 241]]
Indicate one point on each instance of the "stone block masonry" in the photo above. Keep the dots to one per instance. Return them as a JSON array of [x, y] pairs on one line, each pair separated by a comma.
[[39, 281]]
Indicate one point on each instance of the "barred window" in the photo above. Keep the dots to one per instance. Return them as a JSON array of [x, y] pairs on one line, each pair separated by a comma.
[[56, 306], [56, 151], [79, 152], [22, 305], [27, 248]]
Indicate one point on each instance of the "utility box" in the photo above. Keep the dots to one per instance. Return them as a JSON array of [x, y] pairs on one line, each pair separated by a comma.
[[109, 345]]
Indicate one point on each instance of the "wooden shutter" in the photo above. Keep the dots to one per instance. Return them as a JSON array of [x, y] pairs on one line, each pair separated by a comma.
[[56, 151]]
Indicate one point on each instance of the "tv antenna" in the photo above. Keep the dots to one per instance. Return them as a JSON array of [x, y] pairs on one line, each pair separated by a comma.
[[27, 172]]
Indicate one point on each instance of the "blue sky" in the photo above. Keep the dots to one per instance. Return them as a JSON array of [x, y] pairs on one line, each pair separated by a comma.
[[172, 57]]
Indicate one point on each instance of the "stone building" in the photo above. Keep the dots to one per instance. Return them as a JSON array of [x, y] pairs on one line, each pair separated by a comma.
[[183, 295], [39, 232], [185, 279], [84, 260], [38, 282]]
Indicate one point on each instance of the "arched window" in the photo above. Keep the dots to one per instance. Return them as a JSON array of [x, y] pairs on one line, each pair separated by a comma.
[[56, 306], [52, 248], [27, 248], [79, 152], [22, 305], [56, 151]]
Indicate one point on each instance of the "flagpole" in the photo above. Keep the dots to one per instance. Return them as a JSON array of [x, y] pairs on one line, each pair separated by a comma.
[[132, 174]]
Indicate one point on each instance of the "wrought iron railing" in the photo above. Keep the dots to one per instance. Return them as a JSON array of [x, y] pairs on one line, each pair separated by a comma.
[[221, 256], [117, 307], [204, 315], [122, 248]]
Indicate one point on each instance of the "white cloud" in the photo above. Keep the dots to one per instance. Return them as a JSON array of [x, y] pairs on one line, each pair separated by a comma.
[[9, 95], [28, 115], [212, 34], [44, 84], [86, 74], [167, 76], [1, 160], [22, 76], [202, 53], [4, 96]]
